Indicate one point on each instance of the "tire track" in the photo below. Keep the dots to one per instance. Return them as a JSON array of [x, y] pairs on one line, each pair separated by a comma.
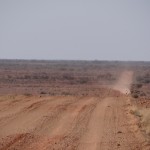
[[93, 136], [69, 139], [30, 116], [55, 111]]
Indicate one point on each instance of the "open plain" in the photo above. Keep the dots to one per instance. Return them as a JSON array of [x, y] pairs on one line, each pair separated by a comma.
[[71, 106]]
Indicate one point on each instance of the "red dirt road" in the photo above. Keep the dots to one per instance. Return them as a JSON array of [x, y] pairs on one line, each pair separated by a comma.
[[69, 123]]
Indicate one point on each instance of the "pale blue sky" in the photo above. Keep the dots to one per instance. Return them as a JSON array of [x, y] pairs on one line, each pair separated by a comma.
[[75, 29]]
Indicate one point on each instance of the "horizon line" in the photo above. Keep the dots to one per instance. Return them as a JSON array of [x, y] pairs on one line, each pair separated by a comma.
[[37, 59]]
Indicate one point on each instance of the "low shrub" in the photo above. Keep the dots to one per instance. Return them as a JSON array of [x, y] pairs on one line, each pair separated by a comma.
[[43, 92], [28, 94], [144, 115], [135, 96]]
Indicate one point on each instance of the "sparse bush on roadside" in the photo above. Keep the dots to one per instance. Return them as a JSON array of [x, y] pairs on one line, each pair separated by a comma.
[[142, 94], [135, 96], [42, 92], [144, 115], [28, 94], [145, 121], [147, 81], [135, 111], [139, 85]]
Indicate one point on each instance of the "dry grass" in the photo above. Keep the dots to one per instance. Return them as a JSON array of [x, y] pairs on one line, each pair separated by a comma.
[[144, 115]]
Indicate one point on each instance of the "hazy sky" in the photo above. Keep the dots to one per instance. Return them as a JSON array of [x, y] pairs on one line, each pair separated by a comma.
[[75, 29]]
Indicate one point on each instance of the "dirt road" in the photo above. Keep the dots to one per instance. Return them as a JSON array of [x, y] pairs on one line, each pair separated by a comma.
[[69, 123], [124, 82]]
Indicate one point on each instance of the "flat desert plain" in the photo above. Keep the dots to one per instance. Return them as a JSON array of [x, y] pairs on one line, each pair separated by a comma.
[[73, 105]]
